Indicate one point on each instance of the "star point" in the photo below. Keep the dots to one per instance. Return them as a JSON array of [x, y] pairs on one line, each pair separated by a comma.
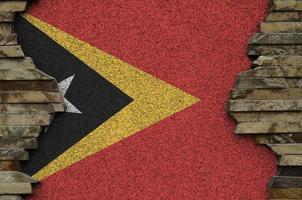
[[64, 86]]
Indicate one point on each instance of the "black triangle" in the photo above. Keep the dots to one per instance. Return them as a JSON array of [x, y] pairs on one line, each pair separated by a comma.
[[93, 95]]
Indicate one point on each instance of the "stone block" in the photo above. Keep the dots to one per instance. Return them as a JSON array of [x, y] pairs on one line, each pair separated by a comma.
[[268, 83], [20, 74], [31, 109], [12, 6], [20, 131], [30, 97], [13, 154], [278, 60], [11, 51], [8, 39], [25, 120], [278, 138], [10, 166], [15, 188], [273, 72], [268, 127], [284, 16], [264, 105], [46, 86], [267, 116], [276, 38], [267, 94], [15, 177], [282, 149], [10, 197], [7, 16], [290, 160], [286, 182], [257, 50], [16, 142], [286, 193], [9, 63], [281, 27], [286, 5]]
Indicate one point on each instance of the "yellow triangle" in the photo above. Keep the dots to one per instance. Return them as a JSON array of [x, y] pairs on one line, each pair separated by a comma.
[[154, 100]]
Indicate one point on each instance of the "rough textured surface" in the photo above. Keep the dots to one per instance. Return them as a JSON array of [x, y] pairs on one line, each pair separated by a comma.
[[281, 149], [15, 188], [188, 39], [281, 27], [278, 60], [268, 83], [257, 50], [290, 160], [274, 72], [13, 154], [10, 166], [267, 116], [276, 38], [266, 99], [15, 177], [268, 127], [12, 6], [10, 197], [286, 5], [278, 138], [286, 182], [286, 193], [267, 94], [28, 100], [284, 17]]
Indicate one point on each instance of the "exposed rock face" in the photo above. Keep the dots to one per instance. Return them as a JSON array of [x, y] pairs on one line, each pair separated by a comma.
[[28, 100], [267, 99]]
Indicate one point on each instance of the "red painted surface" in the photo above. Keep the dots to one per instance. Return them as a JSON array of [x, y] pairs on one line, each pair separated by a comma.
[[198, 46]]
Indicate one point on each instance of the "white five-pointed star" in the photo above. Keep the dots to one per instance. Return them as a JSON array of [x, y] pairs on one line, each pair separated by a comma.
[[63, 86]]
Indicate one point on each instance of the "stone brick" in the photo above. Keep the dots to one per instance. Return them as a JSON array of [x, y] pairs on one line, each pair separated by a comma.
[[8, 39], [282, 149], [12, 6], [15, 177], [264, 105], [278, 60], [273, 72], [11, 51], [20, 131], [290, 160], [276, 38], [284, 5], [267, 94], [13, 154], [20, 74], [286, 193], [257, 50], [31, 109], [268, 83], [268, 127], [25, 120], [10, 166], [15, 188], [46, 86], [15, 142], [9, 63], [281, 27], [284, 16], [286, 182], [267, 116], [30, 97], [10, 197]]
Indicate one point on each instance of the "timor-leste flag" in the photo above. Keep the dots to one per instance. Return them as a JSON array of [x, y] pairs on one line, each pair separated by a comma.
[[145, 84]]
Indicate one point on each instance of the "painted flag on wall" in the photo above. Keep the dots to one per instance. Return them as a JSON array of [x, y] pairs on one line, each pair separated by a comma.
[[145, 84]]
